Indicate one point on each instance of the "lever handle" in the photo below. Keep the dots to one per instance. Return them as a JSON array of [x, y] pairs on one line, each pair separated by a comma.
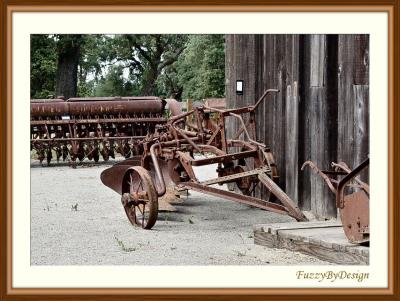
[[263, 96]]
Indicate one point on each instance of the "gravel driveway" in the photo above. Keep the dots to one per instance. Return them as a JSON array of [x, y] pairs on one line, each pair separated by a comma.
[[76, 220]]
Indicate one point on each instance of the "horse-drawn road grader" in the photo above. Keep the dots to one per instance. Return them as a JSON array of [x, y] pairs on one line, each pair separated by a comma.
[[174, 148]]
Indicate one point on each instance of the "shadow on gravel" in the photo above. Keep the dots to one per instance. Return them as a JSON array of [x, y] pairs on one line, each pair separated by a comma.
[[83, 164], [171, 217], [190, 202]]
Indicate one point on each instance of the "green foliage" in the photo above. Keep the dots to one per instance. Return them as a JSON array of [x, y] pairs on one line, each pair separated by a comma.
[[146, 57], [114, 84], [179, 66], [93, 58], [43, 65], [201, 68], [67, 42]]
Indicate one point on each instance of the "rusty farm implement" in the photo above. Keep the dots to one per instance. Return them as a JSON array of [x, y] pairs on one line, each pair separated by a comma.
[[352, 198], [174, 148], [79, 128]]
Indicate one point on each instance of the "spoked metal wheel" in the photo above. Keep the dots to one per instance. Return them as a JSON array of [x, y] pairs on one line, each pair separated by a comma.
[[139, 197], [249, 185]]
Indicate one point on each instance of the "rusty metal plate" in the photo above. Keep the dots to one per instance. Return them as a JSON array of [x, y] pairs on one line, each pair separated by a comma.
[[355, 217]]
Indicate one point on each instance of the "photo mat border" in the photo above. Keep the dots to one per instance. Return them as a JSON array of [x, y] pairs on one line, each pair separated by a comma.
[[392, 8]]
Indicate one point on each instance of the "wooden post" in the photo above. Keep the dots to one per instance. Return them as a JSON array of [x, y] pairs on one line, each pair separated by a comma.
[[292, 116], [321, 63], [229, 78], [241, 64], [304, 145], [353, 134]]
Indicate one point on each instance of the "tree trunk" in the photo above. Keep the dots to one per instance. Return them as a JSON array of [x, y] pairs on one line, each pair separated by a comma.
[[150, 81], [67, 69]]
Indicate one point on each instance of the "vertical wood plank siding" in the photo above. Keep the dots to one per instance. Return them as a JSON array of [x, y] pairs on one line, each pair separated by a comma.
[[321, 112]]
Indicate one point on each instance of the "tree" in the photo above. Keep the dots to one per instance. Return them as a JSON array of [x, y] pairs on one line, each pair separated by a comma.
[[201, 68], [49, 64], [114, 84], [43, 66], [68, 52], [179, 66], [147, 56], [94, 55]]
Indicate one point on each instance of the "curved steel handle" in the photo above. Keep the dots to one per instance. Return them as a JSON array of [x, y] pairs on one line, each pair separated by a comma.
[[346, 179], [263, 96], [159, 174]]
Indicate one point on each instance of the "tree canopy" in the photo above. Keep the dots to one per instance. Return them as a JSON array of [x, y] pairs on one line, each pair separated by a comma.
[[171, 65]]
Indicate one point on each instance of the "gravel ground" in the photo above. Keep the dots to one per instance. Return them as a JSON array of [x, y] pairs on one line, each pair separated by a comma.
[[204, 231]]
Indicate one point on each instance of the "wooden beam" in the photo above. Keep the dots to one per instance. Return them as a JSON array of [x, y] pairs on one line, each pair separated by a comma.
[[324, 240]]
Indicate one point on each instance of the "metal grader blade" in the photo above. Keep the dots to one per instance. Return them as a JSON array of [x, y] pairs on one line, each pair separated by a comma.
[[113, 177]]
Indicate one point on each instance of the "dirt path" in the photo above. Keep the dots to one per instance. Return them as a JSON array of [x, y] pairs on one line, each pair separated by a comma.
[[205, 230]]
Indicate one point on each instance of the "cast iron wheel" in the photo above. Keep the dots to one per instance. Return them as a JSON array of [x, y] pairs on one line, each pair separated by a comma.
[[246, 186], [139, 197]]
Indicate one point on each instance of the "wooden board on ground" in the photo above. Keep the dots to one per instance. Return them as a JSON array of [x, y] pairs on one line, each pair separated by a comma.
[[325, 240]]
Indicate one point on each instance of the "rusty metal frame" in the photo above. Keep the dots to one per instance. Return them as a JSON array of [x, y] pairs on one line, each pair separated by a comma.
[[79, 128], [194, 132], [353, 206]]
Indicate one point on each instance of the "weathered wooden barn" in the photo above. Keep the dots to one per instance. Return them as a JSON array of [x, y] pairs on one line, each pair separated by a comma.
[[322, 110]]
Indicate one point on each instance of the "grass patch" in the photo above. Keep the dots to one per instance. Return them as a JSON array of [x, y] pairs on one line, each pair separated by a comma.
[[122, 245]]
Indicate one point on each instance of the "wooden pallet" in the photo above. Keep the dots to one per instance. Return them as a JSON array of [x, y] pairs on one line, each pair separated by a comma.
[[325, 240]]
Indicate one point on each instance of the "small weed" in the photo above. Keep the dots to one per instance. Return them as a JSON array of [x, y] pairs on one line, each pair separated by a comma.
[[240, 253], [241, 236], [191, 220], [74, 207], [122, 245]]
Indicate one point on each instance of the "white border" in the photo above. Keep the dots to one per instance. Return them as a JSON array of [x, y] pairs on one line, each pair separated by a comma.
[[25, 23]]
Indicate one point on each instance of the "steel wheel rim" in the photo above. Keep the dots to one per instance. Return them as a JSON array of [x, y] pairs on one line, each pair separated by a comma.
[[142, 206]]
